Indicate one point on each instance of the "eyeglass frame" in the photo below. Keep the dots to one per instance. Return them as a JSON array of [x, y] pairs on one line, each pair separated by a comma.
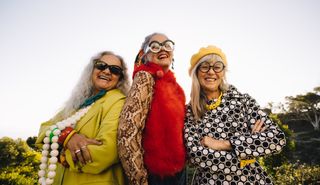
[[212, 66], [112, 68], [162, 45]]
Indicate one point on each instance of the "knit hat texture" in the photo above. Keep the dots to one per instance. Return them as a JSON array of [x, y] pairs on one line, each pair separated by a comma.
[[206, 51]]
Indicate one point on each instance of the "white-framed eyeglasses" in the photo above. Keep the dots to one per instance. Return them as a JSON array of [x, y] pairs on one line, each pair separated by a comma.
[[155, 46]]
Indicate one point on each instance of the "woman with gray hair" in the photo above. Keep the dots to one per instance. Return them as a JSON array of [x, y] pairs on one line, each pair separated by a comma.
[[150, 138], [82, 137], [225, 130]]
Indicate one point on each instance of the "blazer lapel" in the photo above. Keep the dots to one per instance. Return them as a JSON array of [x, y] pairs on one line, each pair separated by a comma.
[[90, 114]]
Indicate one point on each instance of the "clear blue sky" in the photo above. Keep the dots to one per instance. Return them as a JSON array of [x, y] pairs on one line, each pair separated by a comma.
[[272, 47]]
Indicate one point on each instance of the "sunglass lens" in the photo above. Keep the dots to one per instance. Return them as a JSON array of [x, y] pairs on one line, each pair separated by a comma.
[[101, 66], [115, 70]]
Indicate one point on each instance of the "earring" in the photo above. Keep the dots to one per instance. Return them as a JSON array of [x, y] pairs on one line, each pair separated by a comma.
[[172, 64]]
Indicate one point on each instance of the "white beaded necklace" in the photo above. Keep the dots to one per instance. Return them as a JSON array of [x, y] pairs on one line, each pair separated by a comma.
[[49, 168]]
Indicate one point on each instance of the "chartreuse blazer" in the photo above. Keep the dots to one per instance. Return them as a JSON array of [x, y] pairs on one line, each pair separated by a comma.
[[101, 123]]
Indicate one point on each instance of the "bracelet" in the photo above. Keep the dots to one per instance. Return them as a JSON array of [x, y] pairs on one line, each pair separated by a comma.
[[68, 137], [64, 134]]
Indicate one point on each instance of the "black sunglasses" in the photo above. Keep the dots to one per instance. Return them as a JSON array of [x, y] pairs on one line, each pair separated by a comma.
[[100, 65]]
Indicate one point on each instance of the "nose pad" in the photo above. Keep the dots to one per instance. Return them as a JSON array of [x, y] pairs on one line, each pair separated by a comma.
[[107, 71], [162, 49], [211, 71]]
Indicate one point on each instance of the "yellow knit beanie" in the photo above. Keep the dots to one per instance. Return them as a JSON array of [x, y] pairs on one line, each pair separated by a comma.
[[206, 51]]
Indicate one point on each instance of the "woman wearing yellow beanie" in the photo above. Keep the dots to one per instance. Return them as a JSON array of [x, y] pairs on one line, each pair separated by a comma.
[[225, 130]]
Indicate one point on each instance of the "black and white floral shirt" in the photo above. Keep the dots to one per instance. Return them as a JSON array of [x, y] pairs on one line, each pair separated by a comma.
[[232, 121]]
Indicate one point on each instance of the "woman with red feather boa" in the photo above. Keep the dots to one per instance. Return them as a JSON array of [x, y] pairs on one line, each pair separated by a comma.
[[150, 133]]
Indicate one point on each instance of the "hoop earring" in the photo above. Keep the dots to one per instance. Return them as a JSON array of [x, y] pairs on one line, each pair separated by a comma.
[[172, 64]]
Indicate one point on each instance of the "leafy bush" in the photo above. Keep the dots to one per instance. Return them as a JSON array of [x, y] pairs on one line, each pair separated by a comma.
[[18, 163], [18, 176], [299, 174]]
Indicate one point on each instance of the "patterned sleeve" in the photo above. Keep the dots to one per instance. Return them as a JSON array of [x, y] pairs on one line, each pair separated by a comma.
[[248, 145], [204, 157], [131, 125]]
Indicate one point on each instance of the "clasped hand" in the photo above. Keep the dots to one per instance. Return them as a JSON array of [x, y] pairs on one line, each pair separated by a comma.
[[78, 148]]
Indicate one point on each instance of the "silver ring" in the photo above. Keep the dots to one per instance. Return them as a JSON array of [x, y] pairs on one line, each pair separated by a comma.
[[83, 147], [77, 151]]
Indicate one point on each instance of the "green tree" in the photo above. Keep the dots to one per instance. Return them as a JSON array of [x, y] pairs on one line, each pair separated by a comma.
[[305, 107], [31, 141], [18, 163], [276, 160]]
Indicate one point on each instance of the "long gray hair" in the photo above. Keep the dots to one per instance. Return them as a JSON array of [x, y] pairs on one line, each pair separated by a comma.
[[197, 96], [85, 88]]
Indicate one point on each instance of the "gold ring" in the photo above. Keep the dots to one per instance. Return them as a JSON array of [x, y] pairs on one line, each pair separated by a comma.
[[77, 151]]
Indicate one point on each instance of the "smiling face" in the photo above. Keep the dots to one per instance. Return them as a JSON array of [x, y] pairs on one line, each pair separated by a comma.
[[163, 57], [104, 79], [210, 80]]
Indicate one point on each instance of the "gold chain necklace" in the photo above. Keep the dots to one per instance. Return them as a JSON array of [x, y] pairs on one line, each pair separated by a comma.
[[215, 104]]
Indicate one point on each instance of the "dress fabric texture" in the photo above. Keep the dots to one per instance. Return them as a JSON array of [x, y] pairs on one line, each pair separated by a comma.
[[101, 123], [232, 121], [150, 139]]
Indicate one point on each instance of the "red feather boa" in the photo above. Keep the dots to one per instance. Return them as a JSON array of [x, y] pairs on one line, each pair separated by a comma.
[[164, 151]]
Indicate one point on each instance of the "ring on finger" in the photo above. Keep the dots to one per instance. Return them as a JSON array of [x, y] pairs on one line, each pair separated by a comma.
[[83, 147], [77, 151]]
